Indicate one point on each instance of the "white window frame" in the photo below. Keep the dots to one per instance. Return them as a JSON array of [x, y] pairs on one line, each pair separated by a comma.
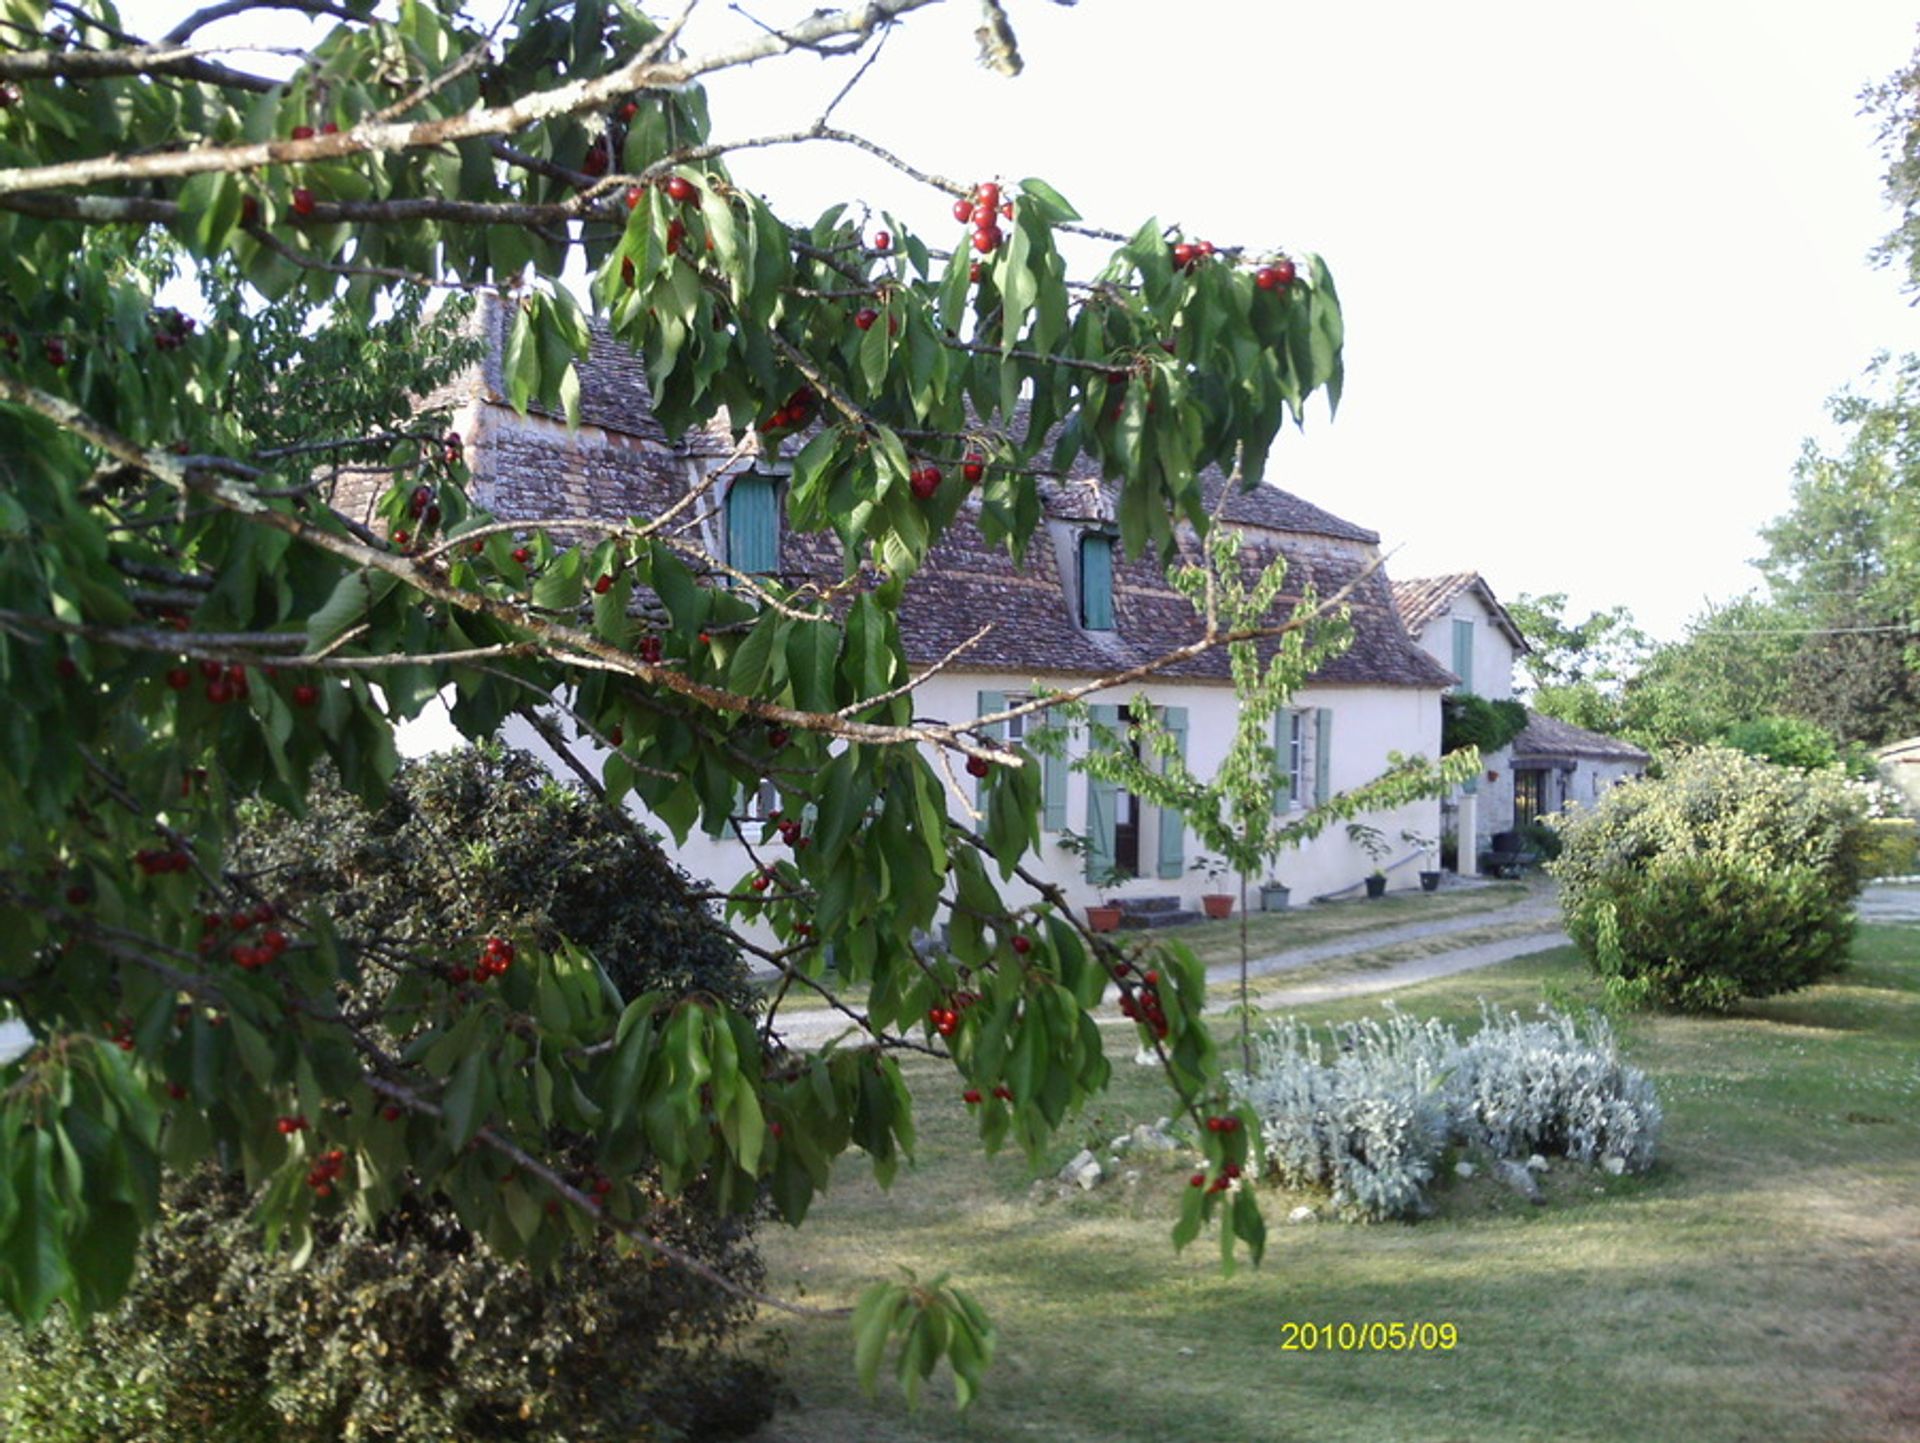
[[1297, 769]]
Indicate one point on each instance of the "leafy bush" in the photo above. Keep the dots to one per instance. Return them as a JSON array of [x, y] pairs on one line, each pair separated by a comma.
[[1542, 838], [1518, 1088], [1477, 721], [1729, 877], [414, 1329], [1789, 741], [1368, 1116], [1892, 848]]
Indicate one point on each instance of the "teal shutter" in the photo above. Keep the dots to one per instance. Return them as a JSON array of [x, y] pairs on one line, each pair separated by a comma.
[[986, 703], [753, 525], [1322, 755], [1282, 759], [1096, 582], [1463, 655], [1173, 841], [1102, 807], [1053, 777]]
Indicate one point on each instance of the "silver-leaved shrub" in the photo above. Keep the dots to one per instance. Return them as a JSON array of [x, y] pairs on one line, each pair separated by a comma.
[[1366, 1113]]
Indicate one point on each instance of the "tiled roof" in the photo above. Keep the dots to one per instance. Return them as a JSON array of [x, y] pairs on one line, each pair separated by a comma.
[[1423, 598], [621, 463], [1546, 736]]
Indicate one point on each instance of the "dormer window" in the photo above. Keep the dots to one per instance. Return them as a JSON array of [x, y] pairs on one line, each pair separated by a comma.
[[1096, 581], [753, 525]]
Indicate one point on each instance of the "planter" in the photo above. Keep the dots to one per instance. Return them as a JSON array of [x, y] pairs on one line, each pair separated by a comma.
[[1217, 905], [1429, 881], [1103, 919], [1376, 886], [1274, 897]]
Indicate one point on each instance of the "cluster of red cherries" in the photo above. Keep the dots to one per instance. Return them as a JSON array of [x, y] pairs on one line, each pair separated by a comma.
[[972, 1096], [159, 863], [796, 414], [984, 210], [1143, 1005], [495, 958], [326, 1171], [171, 328], [946, 1020], [249, 957]]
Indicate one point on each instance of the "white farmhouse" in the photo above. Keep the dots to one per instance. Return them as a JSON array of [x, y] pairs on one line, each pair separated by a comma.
[[1076, 609]]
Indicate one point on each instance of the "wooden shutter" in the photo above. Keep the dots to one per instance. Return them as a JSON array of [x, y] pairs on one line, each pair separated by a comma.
[[753, 525], [1322, 755], [1463, 655], [986, 703], [1102, 805], [1173, 841], [1096, 582], [1282, 759], [1054, 772]]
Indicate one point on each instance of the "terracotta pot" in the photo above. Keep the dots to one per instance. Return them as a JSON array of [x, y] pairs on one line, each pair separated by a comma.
[[1217, 905], [1103, 919]]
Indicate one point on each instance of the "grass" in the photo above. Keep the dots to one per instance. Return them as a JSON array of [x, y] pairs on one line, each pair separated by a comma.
[[1757, 1284]]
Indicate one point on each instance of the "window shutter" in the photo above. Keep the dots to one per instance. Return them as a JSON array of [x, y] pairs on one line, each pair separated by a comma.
[[1053, 777], [1173, 841], [1102, 808], [1463, 655], [1322, 755], [986, 703], [1282, 760], [753, 525], [1096, 582]]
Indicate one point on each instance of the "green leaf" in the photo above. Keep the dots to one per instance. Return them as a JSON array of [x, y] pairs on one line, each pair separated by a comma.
[[520, 363], [468, 1099], [353, 599]]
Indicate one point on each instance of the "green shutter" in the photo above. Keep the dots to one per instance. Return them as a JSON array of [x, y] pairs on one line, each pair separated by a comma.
[[1463, 655], [1102, 806], [987, 703], [1096, 582], [1282, 759], [1054, 772], [753, 525], [1173, 849], [1322, 755]]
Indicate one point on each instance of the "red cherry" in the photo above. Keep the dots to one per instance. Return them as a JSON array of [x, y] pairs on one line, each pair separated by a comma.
[[1003, 1092], [925, 482], [961, 210], [303, 132], [865, 318], [390, 1112], [1205, 248], [988, 194], [972, 469], [618, 736], [676, 232], [330, 129], [1283, 273], [249, 210], [1214, 1124], [986, 240], [1023, 945], [1199, 1179], [305, 694], [596, 159], [302, 201], [1183, 255], [882, 241], [971, 1097], [522, 555], [179, 678], [634, 194], [778, 737], [978, 766], [679, 188], [629, 110], [759, 884], [627, 272], [705, 639], [219, 693], [603, 585], [973, 273]]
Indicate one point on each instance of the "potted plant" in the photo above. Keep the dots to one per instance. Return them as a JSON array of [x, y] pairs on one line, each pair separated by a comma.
[[1373, 842], [1103, 915], [1430, 877], [1274, 896], [1215, 903]]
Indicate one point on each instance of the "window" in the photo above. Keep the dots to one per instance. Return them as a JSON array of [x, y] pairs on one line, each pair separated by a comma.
[[1463, 655], [1529, 796], [753, 524], [1290, 730], [1096, 581]]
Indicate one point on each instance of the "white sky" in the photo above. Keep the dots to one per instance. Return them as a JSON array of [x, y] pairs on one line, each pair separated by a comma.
[[1601, 264]]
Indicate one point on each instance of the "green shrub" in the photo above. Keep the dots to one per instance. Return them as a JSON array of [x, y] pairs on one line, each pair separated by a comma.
[[1728, 877], [1541, 838], [1892, 847], [1787, 740], [1467, 720], [413, 1329]]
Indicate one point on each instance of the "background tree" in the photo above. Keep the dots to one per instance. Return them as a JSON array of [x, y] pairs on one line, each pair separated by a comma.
[[420, 148]]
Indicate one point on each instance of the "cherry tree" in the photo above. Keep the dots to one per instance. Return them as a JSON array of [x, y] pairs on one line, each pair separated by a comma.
[[186, 622]]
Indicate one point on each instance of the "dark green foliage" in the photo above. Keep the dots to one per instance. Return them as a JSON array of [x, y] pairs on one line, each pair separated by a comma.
[[1786, 740], [1476, 721], [1727, 878], [412, 1331], [415, 1329], [484, 840], [1892, 848], [1541, 839]]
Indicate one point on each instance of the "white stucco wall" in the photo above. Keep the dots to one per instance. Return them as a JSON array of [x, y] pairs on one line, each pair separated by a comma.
[[1493, 657], [1368, 722]]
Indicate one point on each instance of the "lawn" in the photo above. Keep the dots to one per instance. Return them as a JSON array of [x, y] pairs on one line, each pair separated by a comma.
[[1758, 1284]]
